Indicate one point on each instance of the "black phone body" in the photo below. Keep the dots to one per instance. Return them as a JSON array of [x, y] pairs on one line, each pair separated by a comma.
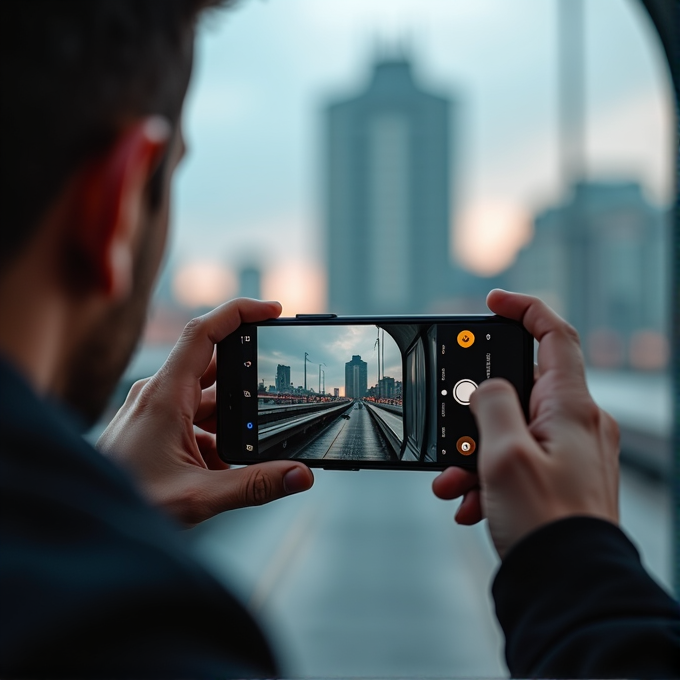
[[363, 392]]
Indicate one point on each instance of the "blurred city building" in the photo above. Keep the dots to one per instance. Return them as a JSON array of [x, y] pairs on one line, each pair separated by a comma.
[[388, 198], [249, 285], [599, 258], [356, 378]]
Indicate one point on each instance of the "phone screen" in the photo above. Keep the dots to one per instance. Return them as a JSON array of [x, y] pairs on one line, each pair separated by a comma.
[[386, 394]]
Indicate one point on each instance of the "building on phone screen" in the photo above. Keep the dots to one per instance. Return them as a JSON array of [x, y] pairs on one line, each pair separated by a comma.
[[356, 378]]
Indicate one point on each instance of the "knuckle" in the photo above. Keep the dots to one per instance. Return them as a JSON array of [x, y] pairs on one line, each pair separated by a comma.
[[592, 414], [612, 430], [188, 505], [516, 454], [571, 333], [511, 456], [139, 395], [144, 397], [257, 488], [192, 327], [137, 387]]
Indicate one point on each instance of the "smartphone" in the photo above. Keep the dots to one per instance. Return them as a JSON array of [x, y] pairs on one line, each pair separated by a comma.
[[363, 392]]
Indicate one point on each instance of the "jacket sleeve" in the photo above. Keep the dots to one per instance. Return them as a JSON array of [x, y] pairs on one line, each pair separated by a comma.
[[574, 600]]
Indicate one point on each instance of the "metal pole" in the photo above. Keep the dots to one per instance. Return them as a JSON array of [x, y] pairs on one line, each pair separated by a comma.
[[572, 158], [571, 110], [377, 344], [306, 355], [382, 345]]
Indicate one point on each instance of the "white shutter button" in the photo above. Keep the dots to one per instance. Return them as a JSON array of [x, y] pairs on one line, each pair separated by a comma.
[[462, 391]]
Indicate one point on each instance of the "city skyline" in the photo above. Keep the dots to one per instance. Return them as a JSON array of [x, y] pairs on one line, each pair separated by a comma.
[[599, 259], [238, 107], [330, 345]]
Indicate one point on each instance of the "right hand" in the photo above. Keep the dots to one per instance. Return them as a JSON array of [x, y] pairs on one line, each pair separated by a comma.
[[563, 463]]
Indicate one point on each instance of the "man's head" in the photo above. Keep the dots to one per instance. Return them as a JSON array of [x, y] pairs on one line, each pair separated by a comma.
[[91, 109]]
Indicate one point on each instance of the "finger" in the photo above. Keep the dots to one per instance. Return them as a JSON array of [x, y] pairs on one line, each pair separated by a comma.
[[453, 483], [559, 347], [207, 445], [191, 356], [210, 375], [503, 432], [207, 406], [258, 484], [470, 510]]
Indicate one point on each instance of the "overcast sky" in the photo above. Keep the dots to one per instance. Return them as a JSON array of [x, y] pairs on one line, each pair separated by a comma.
[[332, 345], [249, 189]]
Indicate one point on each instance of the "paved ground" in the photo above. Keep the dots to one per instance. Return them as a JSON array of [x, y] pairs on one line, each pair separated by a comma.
[[367, 575], [356, 438]]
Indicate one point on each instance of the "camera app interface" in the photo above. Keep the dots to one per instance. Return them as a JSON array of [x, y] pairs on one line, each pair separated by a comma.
[[392, 393]]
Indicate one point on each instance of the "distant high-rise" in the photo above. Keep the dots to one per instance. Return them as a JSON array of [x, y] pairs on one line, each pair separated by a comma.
[[600, 259], [387, 388], [356, 378], [249, 283], [388, 195], [336, 392], [282, 378]]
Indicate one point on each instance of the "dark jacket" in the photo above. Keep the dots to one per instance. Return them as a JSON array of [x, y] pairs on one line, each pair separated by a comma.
[[574, 601], [93, 581]]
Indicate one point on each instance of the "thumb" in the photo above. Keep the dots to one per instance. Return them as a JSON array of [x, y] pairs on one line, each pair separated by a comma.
[[258, 484], [503, 431]]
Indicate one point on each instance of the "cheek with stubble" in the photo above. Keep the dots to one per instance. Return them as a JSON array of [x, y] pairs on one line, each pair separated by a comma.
[[107, 349]]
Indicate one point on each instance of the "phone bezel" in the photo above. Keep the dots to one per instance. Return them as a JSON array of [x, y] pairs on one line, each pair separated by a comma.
[[223, 366]]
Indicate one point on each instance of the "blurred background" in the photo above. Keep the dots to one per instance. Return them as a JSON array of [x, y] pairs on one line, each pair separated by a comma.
[[388, 156]]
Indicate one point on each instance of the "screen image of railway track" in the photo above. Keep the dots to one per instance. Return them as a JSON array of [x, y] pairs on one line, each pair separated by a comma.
[[333, 393]]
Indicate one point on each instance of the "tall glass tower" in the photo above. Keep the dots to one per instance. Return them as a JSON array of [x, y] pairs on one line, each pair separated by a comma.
[[356, 378], [388, 196]]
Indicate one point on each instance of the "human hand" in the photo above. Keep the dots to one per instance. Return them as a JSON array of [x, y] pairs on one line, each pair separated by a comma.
[[176, 465], [563, 463]]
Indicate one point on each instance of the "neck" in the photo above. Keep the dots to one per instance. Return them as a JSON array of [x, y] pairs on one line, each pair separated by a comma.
[[32, 329]]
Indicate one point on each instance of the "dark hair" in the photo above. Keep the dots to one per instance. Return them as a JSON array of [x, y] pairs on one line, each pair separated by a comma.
[[74, 72]]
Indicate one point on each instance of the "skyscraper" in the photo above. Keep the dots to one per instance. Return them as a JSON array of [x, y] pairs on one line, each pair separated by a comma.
[[387, 195], [282, 378], [356, 378], [386, 388], [249, 282], [599, 258]]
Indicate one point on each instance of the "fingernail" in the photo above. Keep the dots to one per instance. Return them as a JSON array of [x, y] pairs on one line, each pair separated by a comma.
[[295, 481]]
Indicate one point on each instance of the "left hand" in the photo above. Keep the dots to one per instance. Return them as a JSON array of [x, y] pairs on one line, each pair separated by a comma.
[[176, 465], [562, 463]]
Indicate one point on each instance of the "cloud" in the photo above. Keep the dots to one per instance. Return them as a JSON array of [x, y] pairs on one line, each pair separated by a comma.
[[330, 345]]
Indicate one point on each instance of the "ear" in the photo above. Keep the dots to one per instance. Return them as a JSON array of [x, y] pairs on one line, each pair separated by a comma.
[[110, 201]]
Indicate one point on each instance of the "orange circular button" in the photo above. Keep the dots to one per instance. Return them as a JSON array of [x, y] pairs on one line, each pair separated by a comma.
[[466, 446], [466, 338]]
